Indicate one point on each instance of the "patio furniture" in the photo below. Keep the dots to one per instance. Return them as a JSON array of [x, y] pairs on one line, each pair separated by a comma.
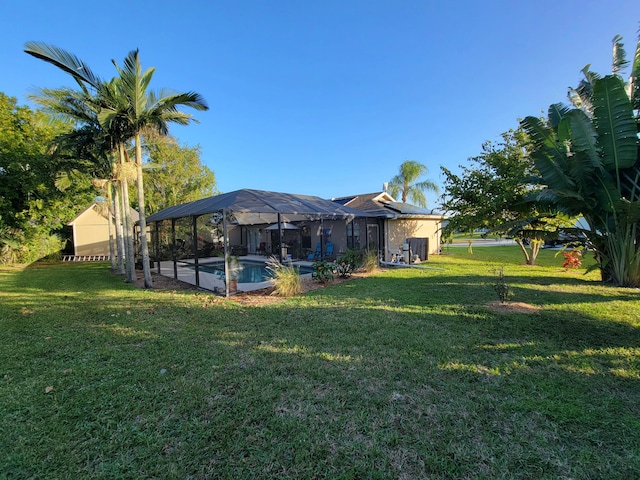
[[329, 252], [315, 255], [239, 250]]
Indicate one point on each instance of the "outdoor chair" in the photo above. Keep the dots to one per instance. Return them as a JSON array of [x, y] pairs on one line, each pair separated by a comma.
[[316, 254], [329, 252]]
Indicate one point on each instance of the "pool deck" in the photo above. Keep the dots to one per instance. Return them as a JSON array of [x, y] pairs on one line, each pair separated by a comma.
[[214, 282]]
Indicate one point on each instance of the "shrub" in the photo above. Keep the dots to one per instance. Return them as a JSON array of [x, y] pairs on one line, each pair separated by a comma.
[[572, 259], [370, 262], [14, 248], [348, 263], [286, 278], [323, 271], [10, 244]]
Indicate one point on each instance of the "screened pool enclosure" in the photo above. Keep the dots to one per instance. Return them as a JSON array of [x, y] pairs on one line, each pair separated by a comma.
[[258, 223]]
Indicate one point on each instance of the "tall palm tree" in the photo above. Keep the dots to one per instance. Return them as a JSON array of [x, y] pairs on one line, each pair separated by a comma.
[[404, 183], [146, 110], [92, 141], [127, 108]]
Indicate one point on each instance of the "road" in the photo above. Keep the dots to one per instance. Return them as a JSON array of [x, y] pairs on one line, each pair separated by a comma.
[[484, 242]]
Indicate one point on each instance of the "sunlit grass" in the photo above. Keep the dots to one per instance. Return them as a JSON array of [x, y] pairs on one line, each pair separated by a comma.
[[405, 374]]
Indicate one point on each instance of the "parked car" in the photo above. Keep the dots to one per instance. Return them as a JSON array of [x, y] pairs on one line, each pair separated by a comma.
[[567, 237]]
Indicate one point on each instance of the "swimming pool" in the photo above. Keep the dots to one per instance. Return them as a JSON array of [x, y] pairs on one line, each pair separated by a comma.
[[249, 271]]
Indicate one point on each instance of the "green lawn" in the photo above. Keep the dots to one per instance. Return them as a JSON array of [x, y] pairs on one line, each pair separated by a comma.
[[404, 374]]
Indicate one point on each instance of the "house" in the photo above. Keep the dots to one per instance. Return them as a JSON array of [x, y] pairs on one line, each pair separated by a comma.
[[247, 221], [373, 221], [257, 222], [401, 228], [90, 231]]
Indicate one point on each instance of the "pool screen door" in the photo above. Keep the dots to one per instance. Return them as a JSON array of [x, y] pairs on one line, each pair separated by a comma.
[[373, 238]]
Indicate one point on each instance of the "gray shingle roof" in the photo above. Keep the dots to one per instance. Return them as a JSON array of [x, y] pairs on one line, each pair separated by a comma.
[[260, 206]]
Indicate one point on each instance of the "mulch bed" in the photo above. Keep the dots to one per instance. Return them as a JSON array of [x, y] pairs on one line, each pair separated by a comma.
[[256, 297], [512, 307]]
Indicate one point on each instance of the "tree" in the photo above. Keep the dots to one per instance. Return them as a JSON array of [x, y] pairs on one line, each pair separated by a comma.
[[404, 184], [93, 157], [175, 175], [588, 161], [84, 107], [93, 151], [33, 212], [147, 110], [127, 109], [492, 193]]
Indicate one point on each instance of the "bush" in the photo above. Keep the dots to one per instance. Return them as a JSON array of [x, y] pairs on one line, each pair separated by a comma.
[[370, 262], [14, 248], [286, 279], [323, 271], [572, 259], [348, 263]]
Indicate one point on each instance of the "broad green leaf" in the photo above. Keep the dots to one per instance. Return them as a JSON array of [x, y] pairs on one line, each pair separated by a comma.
[[615, 125]]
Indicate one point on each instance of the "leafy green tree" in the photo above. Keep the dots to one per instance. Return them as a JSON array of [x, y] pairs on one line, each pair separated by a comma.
[[33, 211], [588, 162], [492, 193], [175, 175], [405, 184], [93, 157]]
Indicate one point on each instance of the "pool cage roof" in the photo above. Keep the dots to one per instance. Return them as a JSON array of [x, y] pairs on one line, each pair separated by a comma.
[[251, 207]]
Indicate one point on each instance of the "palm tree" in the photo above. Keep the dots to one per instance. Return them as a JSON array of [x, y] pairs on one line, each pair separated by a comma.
[[404, 183], [93, 144], [88, 147], [147, 110], [126, 109]]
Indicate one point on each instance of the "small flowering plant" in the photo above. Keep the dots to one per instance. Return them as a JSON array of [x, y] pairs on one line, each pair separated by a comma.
[[323, 271], [572, 259], [347, 264]]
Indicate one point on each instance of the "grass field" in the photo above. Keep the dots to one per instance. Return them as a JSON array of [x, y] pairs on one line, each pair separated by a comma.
[[404, 374]]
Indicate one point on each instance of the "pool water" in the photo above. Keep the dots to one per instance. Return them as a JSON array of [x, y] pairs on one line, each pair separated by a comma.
[[249, 272]]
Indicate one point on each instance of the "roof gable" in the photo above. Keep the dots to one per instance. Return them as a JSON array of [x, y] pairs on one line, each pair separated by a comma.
[[383, 204], [372, 203], [135, 216]]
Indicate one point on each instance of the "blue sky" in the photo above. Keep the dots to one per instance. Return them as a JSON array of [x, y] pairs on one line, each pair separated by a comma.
[[329, 97]]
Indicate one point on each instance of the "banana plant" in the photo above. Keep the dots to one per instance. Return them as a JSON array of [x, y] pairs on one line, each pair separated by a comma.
[[588, 161]]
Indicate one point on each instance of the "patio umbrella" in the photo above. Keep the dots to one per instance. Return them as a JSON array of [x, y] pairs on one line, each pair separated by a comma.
[[283, 226]]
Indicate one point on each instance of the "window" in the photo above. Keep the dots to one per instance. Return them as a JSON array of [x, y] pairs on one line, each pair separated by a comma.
[[353, 236]]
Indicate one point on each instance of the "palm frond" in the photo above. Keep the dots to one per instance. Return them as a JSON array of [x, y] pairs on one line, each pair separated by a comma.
[[171, 98], [556, 113], [428, 185], [619, 56], [583, 157], [65, 61], [417, 196], [548, 155]]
